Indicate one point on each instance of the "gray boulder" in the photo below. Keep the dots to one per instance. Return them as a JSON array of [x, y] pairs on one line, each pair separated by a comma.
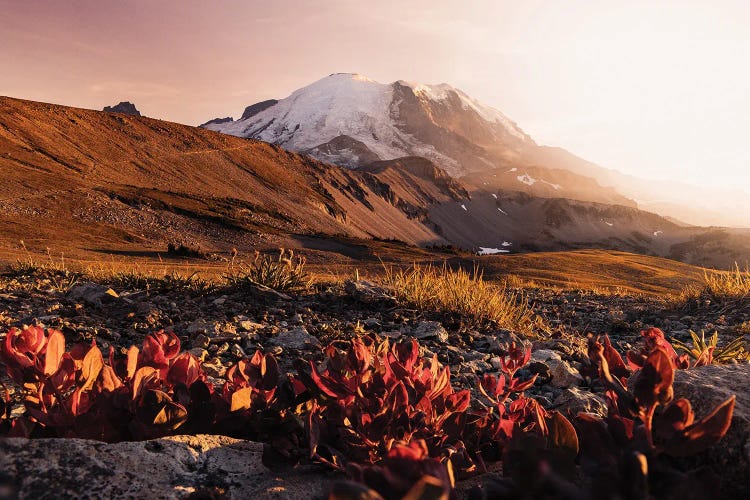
[[168, 468], [706, 387]]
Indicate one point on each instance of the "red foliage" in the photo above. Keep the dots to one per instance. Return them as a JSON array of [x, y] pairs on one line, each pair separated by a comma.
[[151, 392], [384, 414]]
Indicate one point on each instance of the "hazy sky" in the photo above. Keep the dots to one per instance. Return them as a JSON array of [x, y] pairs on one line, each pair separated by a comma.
[[652, 88]]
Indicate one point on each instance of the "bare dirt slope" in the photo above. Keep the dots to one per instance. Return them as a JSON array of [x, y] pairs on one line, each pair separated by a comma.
[[125, 183]]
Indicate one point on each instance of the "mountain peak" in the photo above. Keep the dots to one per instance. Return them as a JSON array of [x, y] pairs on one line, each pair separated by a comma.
[[385, 121]]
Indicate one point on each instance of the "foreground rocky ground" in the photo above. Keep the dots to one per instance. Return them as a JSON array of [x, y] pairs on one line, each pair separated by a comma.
[[220, 325]]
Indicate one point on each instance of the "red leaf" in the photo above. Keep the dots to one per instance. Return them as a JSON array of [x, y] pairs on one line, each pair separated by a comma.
[[54, 351], [132, 361], [654, 383], [407, 353], [269, 373], [616, 364], [561, 433], [705, 433], [242, 399], [185, 369], [359, 356], [91, 366], [108, 379], [459, 401], [328, 386], [141, 378]]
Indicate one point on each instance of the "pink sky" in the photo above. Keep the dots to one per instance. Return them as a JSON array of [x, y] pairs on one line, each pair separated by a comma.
[[651, 88]]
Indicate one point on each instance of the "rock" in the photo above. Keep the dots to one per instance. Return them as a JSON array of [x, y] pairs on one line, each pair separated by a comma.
[[367, 291], [217, 121], [237, 351], [209, 328], [430, 330], [167, 468], [124, 107], [496, 363], [545, 354], [93, 294], [220, 301], [541, 369], [297, 338], [563, 375], [199, 353], [256, 108], [476, 366], [706, 387], [573, 401], [249, 326], [371, 322], [215, 368], [201, 341]]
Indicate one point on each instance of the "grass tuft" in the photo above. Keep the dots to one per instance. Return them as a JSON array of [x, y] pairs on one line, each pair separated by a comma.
[[464, 293], [285, 273], [718, 288]]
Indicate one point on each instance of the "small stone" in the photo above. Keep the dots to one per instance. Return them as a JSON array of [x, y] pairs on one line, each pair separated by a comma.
[[430, 329], [223, 348], [237, 351], [249, 326], [201, 341], [563, 375], [545, 354], [366, 291], [93, 294], [476, 366], [220, 301], [371, 322], [215, 368], [573, 401], [199, 353], [297, 338], [541, 369], [210, 328], [496, 363]]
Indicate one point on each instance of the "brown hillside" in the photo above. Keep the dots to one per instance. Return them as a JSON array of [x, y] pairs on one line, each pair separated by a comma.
[[82, 181]]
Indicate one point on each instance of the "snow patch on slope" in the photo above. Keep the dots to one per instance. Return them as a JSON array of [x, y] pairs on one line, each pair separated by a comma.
[[530, 181], [491, 251]]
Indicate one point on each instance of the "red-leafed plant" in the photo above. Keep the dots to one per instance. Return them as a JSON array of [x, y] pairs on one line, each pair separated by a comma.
[[150, 392], [373, 397], [622, 451]]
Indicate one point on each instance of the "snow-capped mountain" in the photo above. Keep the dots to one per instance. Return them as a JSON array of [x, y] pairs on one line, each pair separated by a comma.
[[352, 120]]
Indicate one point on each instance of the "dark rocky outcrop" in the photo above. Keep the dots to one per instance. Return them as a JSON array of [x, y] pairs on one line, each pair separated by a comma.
[[217, 121], [124, 107], [256, 108]]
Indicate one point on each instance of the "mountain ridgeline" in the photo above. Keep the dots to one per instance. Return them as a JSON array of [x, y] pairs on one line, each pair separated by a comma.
[[88, 183]]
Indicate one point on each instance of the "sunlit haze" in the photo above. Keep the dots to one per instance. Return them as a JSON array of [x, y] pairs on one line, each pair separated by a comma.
[[656, 89]]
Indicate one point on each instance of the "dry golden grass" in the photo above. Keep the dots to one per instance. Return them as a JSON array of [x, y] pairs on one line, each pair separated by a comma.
[[463, 293], [718, 287], [283, 274]]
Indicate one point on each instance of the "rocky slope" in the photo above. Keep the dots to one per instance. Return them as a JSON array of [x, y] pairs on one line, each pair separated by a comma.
[[221, 325]]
